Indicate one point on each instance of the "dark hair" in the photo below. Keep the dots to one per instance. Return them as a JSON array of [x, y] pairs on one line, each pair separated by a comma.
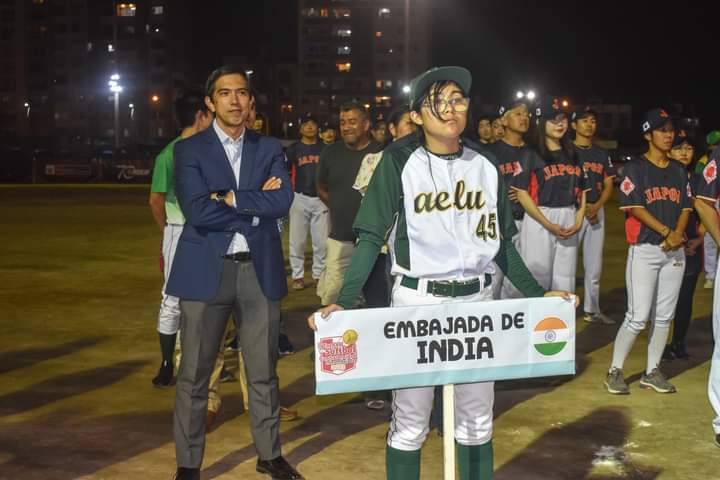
[[355, 105], [221, 72], [397, 114], [537, 138], [433, 91], [187, 106]]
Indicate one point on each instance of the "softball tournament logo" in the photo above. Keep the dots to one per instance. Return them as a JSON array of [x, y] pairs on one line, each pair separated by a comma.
[[338, 355], [550, 336]]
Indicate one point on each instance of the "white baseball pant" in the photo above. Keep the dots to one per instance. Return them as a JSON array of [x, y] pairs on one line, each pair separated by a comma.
[[714, 381], [551, 260], [653, 280], [710, 257], [169, 316], [307, 213], [411, 407], [592, 238], [499, 288]]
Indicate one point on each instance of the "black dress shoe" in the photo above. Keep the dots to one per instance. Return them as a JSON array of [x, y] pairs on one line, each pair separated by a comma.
[[278, 468], [184, 473]]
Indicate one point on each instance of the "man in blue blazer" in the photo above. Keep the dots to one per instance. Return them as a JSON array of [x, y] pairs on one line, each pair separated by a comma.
[[232, 186]]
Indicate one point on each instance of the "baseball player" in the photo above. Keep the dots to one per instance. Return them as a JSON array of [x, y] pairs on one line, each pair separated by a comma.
[[437, 242], [193, 117], [710, 249], [683, 152], [512, 156], [598, 169], [656, 198], [485, 129], [498, 129], [307, 210], [552, 193], [707, 193]]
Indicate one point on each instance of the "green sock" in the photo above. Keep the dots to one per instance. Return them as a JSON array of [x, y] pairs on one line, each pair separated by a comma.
[[476, 461], [401, 464]]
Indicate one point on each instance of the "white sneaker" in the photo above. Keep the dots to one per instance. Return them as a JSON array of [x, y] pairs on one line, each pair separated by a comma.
[[709, 284]]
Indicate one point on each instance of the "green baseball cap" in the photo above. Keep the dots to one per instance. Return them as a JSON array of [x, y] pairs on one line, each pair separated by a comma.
[[422, 82]]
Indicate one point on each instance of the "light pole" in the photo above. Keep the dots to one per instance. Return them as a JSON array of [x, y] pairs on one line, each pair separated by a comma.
[[27, 109], [116, 88]]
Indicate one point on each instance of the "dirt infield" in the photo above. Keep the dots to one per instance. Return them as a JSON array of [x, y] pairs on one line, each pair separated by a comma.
[[78, 347]]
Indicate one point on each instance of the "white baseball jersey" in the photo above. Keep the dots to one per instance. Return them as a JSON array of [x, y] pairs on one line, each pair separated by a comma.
[[441, 214]]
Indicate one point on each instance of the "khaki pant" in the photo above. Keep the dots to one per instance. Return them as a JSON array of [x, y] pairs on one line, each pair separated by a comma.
[[337, 260]]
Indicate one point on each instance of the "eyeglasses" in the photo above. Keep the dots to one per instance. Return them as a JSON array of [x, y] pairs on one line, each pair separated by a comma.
[[457, 104]]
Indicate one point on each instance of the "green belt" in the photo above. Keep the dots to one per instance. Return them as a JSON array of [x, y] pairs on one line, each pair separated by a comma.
[[449, 289]]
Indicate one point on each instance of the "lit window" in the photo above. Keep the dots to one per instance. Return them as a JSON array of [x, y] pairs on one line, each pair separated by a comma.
[[343, 66], [343, 50], [110, 47], [383, 84], [342, 31], [157, 10], [384, 12], [126, 9], [383, 101], [378, 34], [324, 12], [342, 12]]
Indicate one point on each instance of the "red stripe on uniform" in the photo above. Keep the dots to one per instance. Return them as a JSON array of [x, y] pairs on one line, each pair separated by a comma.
[[632, 228], [533, 188]]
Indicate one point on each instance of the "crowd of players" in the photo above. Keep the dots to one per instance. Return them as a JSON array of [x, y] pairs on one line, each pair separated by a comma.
[[558, 182]]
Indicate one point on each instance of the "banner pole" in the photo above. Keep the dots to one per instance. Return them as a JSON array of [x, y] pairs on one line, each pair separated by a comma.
[[449, 432]]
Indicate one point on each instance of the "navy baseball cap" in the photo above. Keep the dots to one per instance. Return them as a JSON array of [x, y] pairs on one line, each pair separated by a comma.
[[309, 117], [655, 119], [579, 113], [550, 107], [512, 102], [486, 113], [420, 84]]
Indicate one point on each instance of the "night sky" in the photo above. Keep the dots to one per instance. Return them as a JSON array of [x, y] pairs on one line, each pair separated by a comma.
[[638, 52]]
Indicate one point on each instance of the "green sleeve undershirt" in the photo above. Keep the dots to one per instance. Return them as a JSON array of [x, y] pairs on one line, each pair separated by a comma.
[[512, 265]]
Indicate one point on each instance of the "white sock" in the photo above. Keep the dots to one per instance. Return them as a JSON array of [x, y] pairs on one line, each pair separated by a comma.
[[624, 342], [656, 345]]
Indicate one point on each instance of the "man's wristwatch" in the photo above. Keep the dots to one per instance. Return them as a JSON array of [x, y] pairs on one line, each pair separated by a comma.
[[220, 197]]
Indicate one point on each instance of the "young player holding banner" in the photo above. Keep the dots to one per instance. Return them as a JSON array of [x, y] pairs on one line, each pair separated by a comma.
[[443, 210]]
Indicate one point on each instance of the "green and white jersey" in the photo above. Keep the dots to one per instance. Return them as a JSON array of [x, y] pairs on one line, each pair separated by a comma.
[[442, 218]]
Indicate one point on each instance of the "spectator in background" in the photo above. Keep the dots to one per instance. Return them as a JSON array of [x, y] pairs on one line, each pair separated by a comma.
[[339, 165], [193, 117], [328, 134], [379, 132]]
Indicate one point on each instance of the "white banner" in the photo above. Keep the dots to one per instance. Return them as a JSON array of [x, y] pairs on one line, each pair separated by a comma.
[[451, 343]]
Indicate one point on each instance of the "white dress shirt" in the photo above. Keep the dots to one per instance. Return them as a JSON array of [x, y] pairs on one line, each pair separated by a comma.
[[233, 151]]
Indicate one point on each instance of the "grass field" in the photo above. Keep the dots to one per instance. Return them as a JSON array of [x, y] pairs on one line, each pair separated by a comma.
[[81, 286]]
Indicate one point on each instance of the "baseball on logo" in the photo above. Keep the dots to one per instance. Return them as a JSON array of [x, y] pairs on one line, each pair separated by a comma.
[[350, 337]]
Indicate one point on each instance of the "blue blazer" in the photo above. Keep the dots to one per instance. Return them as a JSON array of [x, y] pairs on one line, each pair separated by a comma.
[[202, 167]]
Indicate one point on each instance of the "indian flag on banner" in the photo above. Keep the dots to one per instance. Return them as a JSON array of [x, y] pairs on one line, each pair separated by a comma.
[[550, 336]]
